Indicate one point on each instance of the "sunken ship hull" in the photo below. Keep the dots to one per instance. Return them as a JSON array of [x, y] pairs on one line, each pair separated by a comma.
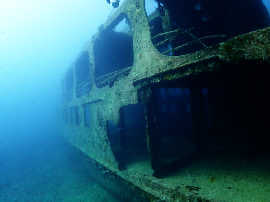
[[175, 108]]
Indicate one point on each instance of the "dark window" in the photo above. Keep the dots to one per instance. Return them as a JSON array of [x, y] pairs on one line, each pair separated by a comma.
[[82, 69], [180, 27], [113, 49], [74, 115], [87, 115]]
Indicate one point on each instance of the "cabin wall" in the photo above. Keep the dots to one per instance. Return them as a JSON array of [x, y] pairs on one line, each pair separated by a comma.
[[105, 98]]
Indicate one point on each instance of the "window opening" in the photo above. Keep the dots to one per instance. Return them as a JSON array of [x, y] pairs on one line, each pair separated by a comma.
[[82, 70], [74, 116], [180, 27], [113, 49], [87, 114], [123, 27], [151, 7], [267, 5]]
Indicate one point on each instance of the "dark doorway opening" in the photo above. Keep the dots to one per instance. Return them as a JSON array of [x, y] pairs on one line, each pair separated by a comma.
[[128, 139], [171, 131], [209, 115]]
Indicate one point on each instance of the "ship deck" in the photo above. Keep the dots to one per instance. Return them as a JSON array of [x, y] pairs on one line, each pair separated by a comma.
[[225, 178]]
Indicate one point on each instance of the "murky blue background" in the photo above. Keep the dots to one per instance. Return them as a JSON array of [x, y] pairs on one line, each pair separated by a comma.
[[38, 41]]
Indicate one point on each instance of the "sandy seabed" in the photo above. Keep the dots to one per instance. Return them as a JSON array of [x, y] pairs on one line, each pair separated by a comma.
[[47, 171]]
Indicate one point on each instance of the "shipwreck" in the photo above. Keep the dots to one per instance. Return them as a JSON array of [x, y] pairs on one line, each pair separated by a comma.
[[169, 99]]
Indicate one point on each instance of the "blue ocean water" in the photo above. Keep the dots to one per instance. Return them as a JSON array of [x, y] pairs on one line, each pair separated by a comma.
[[48, 170], [39, 40]]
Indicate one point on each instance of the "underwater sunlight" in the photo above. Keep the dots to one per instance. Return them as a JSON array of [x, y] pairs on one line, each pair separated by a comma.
[[38, 41]]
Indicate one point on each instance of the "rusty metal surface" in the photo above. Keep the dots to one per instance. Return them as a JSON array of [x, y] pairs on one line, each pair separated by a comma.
[[121, 88]]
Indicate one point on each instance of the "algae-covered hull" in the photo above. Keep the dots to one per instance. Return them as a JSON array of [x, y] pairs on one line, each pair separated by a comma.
[[177, 109]]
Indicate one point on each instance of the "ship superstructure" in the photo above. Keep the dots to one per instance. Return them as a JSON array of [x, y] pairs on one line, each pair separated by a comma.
[[171, 97]]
